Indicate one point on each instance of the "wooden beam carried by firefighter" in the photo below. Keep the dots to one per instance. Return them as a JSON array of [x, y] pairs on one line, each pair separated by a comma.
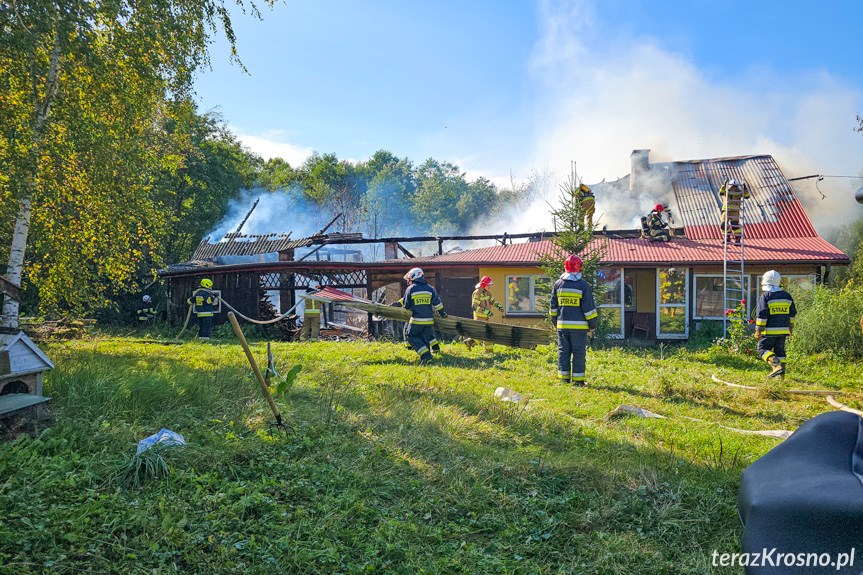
[[509, 335]]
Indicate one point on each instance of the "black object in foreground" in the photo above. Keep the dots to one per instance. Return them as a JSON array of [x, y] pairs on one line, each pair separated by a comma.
[[805, 497]]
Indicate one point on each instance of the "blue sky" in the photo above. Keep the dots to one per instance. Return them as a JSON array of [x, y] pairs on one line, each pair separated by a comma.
[[515, 87]]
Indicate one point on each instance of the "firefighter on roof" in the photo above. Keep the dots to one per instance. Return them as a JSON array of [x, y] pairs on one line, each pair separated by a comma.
[[202, 301], [481, 302], [733, 194], [572, 306], [585, 197], [311, 318], [147, 312], [774, 322], [657, 228], [422, 301]]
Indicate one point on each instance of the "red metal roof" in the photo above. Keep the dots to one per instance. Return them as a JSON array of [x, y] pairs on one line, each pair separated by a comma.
[[637, 251], [772, 211]]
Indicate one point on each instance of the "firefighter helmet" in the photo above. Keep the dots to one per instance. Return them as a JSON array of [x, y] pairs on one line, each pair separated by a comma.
[[770, 278], [658, 208], [206, 283], [414, 274], [573, 264], [146, 299], [732, 183], [485, 282], [583, 188]]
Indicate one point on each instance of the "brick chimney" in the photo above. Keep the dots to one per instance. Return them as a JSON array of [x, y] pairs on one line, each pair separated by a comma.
[[640, 165]]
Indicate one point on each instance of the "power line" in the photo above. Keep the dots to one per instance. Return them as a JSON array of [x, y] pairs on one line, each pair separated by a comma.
[[822, 176]]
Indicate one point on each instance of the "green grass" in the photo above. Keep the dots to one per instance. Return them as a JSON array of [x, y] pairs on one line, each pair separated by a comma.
[[393, 468]]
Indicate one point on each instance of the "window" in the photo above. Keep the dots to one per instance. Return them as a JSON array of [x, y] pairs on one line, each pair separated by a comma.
[[672, 291], [617, 297], [527, 295], [710, 296]]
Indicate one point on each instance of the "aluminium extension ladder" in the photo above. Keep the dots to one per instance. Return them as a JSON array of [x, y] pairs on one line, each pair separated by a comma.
[[732, 269]]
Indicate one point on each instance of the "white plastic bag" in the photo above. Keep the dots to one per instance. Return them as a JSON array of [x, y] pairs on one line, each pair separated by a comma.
[[165, 436]]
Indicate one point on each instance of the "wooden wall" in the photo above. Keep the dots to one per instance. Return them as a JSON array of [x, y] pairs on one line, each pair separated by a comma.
[[240, 289]]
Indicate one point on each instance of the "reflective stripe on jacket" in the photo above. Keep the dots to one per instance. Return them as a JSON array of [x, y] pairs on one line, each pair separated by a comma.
[[203, 300], [421, 300], [572, 305], [776, 312], [313, 307], [735, 197], [146, 313], [481, 302]]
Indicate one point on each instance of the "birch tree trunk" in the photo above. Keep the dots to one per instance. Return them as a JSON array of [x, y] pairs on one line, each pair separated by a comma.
[[42, 111]]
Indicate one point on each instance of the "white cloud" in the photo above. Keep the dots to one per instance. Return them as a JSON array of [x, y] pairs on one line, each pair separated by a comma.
[[604, 96], [269, 145]]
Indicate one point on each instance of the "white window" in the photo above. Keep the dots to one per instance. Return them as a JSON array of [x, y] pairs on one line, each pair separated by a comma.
[[672, 302], [710, 295], [527, 295]]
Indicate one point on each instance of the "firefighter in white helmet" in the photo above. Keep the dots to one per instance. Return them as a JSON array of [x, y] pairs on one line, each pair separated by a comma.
[[422, 301], [774, 322], [482, 302], [147, 311]]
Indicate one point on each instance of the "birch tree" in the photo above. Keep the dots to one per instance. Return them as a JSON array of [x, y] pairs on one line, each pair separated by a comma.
[[69, 71]]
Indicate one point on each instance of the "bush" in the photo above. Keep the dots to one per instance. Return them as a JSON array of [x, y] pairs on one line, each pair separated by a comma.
[[828, 320]]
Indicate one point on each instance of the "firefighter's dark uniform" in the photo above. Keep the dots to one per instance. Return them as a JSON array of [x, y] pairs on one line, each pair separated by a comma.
[[731, 211], [775, 320], [146, 314], [481, 302], [422, 301], [203, 300], [657, 228], [574, 310], [311, 321]]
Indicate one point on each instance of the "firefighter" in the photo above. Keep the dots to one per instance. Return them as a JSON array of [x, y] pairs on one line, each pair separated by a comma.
[[203, 301], [147, 312], [733, 194], [481, 302], [656, 226], [422, 301], [585, 197], [774, 322], [572, 306], [311, 318]]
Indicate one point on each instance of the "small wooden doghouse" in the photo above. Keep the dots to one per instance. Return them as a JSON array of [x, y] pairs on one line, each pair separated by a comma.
[[22, 364]]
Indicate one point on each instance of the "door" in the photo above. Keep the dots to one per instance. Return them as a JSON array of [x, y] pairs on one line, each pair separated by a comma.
[[672, 303], [455, 293]]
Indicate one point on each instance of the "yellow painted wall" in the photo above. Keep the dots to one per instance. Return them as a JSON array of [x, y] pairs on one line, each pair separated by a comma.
[[645, 290], [498, 292]]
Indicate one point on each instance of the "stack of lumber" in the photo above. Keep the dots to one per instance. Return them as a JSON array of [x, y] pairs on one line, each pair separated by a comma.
[[509, 335]]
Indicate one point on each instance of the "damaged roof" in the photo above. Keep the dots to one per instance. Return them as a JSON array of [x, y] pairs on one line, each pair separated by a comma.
[[772, 211]]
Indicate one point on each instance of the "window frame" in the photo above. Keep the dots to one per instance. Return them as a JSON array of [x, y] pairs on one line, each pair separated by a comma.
[[748, 287], [621, 306], [531, 288]]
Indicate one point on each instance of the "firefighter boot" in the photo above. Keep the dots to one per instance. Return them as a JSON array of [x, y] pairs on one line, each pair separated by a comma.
[[778, 367], [469, 343], [435, 347]]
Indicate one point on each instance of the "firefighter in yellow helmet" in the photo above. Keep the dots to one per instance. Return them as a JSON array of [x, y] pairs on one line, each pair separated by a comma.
[[733, 194], [203, 301], [584, 195], [481, 302]]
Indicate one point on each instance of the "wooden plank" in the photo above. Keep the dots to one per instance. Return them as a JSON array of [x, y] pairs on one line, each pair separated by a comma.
[[15, 401], [502, 334]]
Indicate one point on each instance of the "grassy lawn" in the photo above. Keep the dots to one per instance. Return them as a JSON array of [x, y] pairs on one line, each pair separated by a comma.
[[393, 467]]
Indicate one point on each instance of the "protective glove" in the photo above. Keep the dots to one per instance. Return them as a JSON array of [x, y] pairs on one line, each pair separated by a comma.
[[500, 308], [442, 313], [396, 304], [790, 331], [757, 334]]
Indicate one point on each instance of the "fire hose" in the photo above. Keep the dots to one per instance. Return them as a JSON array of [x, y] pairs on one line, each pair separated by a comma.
[[247, 318]]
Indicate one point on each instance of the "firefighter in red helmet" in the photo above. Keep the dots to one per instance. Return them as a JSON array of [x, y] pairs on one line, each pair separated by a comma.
[[657, 228], [481, 302], [572, 307]]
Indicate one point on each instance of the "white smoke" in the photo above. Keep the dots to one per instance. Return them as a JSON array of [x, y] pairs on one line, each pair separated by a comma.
[[604, 96]]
